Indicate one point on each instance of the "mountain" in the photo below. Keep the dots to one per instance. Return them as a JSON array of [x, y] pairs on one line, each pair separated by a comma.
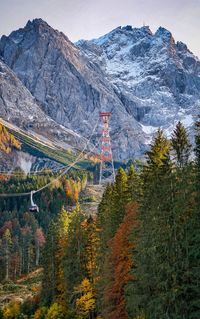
[[68, 86], [146, 80], [157, 79], [20, 112]]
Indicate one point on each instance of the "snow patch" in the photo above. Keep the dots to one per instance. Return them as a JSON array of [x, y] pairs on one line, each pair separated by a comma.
[[148, 129], [188, 120]]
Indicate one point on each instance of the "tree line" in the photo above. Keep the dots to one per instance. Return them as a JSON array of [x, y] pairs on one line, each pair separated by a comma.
[[22, 234], [139, 258]]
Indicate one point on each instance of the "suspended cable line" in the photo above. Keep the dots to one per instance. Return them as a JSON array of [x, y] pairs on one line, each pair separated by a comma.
[[45, 170], [78, 159]]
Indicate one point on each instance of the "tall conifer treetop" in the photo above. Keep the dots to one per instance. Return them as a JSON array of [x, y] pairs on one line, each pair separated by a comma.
[[180, 145]]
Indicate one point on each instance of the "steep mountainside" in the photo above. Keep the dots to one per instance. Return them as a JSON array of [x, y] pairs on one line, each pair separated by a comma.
[[70, 88], [20, 112], [35, 153], [146, 80], [158, 80], [19, 107]]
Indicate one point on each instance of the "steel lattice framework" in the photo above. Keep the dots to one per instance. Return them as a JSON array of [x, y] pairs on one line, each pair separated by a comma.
[[107, 172]]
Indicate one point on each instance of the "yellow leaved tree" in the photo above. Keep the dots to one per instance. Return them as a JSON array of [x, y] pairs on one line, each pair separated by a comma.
[[85, 303], [11, 310]]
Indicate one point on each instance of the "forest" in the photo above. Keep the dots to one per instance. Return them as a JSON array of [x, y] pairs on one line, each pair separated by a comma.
[[137, 258], [7, 141]]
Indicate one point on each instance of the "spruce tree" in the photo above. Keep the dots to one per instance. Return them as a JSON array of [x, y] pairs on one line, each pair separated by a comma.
[[49, 290], [75, 259], [144, 293], [133, 185], [6, 245], [158, 288], [62, 226], [197, 159], [193, 274], [104, 216], [104, 219], [110, 216], [180, 145], [120, 200], [112, 209]]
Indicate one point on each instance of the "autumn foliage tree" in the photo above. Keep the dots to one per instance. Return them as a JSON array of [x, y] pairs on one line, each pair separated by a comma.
[[72, 189], [39, 242], [7, 141], [85, 302], [118, 266]]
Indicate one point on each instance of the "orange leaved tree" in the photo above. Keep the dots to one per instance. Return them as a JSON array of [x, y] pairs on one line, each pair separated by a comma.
[[118, 265]]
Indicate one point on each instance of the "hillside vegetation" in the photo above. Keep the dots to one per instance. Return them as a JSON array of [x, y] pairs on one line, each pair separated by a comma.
[[7, 141], [137, 258]]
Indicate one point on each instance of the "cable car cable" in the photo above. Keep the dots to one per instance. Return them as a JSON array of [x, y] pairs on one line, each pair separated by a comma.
[[79, 158]]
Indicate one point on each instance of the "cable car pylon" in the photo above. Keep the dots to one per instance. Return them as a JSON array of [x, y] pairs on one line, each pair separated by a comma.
[[107, 171]]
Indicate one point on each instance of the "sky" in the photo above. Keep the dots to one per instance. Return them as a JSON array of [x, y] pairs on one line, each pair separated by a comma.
[[87, 19]]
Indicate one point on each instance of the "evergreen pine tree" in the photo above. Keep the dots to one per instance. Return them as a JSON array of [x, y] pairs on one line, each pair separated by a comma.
[[193, 274], [197, 159], [62, 226], [146, 293], [49, 289], [75, 257], [110, 216], [105, 212], [158, 289], [6, 245], [180, 145], [133, 185], [120, 200], [158, 155]]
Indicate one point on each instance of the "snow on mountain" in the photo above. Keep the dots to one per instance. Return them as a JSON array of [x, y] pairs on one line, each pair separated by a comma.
[[158, 79], [146, 80], [69, 87]]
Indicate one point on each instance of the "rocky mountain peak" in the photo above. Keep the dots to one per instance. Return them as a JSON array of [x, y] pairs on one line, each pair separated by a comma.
[[38, 22], [146, 80], [163, 33], [121, 35], [130, 28], [182, 47], [41, 27], [34, 32]]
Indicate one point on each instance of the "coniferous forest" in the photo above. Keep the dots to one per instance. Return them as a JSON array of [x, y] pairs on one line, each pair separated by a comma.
[[137, 258]]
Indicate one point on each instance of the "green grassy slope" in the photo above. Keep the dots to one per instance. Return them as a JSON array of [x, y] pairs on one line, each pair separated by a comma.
[[38, 149]]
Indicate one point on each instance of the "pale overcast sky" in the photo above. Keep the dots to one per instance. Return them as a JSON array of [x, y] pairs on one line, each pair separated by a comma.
[[86, 19]]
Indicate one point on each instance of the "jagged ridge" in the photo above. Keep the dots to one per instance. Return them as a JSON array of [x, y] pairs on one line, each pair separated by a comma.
[[147, 80]]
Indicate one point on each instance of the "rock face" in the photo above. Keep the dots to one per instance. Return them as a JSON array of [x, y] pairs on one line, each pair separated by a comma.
[[20, 112], [157, 79], [146, 80], [19, 107], [69, 87]]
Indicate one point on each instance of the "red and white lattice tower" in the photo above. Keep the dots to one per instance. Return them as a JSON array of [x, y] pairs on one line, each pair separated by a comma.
[[107, 171]]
